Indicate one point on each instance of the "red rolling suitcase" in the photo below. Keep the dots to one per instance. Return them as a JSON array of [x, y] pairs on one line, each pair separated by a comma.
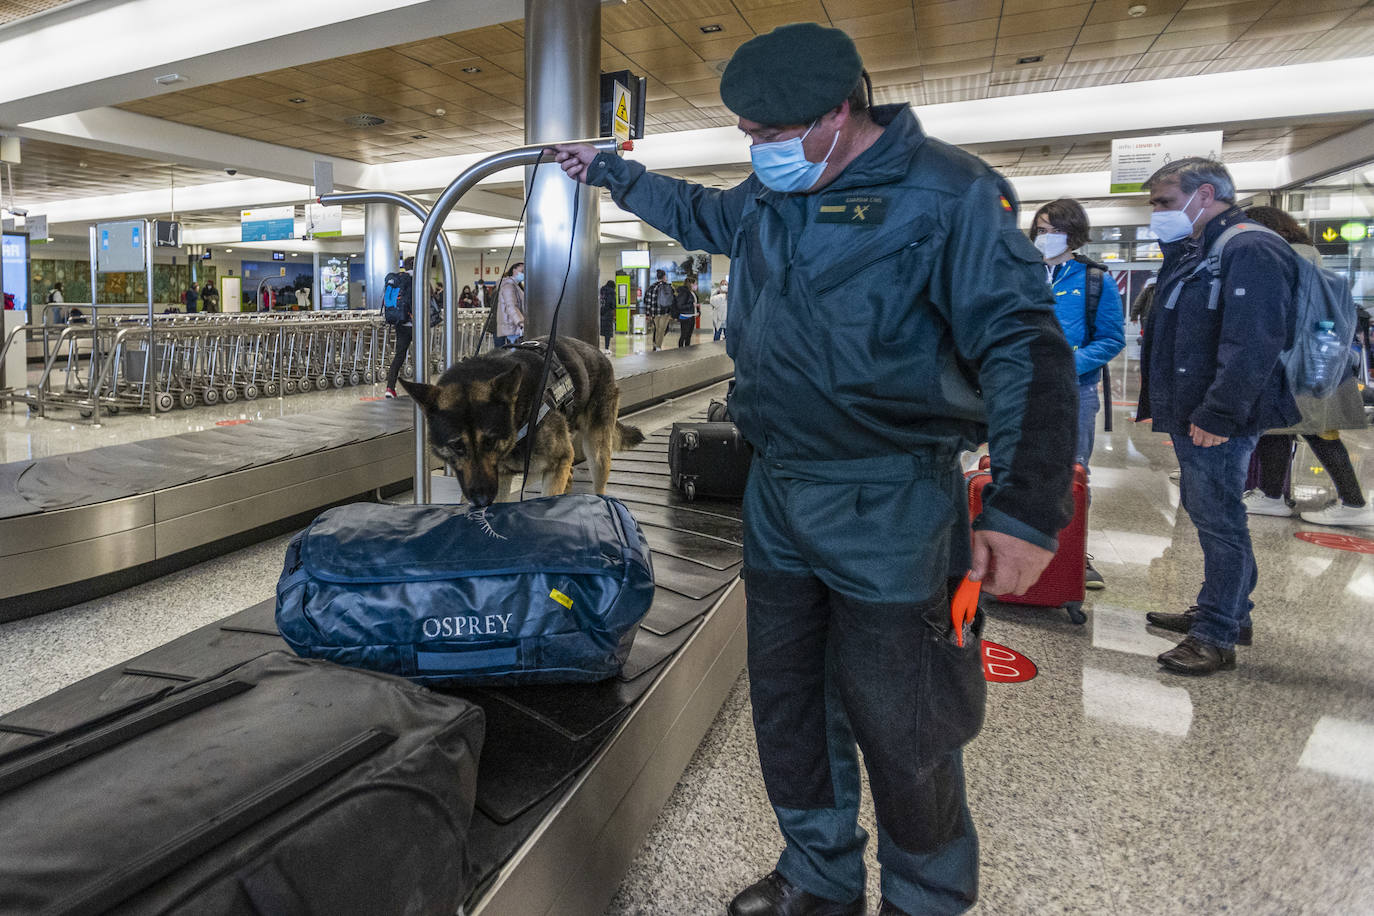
[[1061, 584]]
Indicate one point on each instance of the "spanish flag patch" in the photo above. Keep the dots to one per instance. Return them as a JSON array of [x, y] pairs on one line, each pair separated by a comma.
[[1006, 204]]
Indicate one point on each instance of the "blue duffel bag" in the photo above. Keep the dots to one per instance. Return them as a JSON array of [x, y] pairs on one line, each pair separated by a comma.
[[545, 591]]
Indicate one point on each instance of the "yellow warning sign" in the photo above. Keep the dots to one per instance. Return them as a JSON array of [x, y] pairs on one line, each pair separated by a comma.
[[620, 122]]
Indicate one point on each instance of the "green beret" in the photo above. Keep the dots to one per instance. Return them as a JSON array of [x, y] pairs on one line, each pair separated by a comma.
[[792, 75]]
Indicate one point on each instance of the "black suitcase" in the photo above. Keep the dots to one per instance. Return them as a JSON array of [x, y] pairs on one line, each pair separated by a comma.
[[708, 459], [718, 412], [283, 786]]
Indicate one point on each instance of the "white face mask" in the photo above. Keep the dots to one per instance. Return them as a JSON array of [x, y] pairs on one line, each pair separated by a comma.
[[1052, 244], [1172, 225]]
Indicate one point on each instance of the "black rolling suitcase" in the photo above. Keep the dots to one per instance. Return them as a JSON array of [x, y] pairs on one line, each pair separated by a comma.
[[708, 459], [284, 786]]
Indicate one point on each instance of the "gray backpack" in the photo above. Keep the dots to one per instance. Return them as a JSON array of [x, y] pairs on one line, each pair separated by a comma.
[[1320, 296]]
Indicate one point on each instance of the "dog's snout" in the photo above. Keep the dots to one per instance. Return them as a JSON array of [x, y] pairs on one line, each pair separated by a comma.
[[482, 498]]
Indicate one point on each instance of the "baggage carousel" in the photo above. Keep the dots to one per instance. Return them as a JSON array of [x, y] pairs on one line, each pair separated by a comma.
[[73, 527], [570, 777]]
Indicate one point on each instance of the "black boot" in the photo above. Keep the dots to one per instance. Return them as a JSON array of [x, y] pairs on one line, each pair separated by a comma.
[[776, 896], [1193, 656], [1183, 623]]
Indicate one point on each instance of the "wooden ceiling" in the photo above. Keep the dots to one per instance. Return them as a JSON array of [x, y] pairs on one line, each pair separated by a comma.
[[55, 171], [13, 10], [464, 92]]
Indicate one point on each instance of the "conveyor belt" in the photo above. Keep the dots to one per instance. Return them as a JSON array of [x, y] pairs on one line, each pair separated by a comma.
[[79, 525], [552, 832]]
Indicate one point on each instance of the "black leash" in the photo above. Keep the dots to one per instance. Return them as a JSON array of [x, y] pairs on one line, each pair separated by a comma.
[[553, 341], [490, 323]]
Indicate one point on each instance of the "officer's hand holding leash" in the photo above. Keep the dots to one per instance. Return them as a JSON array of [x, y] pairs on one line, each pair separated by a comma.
[[575, 159]]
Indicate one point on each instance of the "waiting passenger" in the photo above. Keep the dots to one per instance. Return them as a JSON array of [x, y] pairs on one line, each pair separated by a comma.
[[1088, 306], [191, 297], [685, 305], [1214, 408], [55, 298], [720, 307], [608, 305], [466, 300], [1320, 426], [405, 331], [510, 306], [659, 300], [857, 397]]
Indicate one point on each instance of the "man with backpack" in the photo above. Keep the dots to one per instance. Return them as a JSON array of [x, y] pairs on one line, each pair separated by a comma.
[[398, 310], [1212, 380], [1088, 306], [659, 306]]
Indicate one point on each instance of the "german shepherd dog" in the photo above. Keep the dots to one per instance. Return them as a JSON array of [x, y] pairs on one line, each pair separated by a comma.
[[477, 408]]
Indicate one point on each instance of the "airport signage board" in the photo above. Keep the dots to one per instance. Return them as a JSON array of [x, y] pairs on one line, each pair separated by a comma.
[[1333, 236], [119, 247], [37, 228], [620, 113], [267, 224], [322, 221], [1134, 159]]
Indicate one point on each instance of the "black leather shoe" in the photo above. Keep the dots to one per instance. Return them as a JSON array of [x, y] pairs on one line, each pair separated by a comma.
[[1183, 623], [776, 896], [1193, 656], [889, 909]]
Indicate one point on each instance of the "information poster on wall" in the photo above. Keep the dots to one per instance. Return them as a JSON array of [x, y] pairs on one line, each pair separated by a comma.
[[267, 224], [323, 222], [1134, 159]]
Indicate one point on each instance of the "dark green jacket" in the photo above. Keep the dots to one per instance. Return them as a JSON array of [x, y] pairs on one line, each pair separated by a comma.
[[897, 310]]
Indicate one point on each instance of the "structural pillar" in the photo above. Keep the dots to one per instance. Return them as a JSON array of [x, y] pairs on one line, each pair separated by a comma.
[[381, 242], [562, 102]]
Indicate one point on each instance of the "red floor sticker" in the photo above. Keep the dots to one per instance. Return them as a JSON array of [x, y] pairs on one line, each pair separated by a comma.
[[1337, 541], [1005, 666], [231, 422]]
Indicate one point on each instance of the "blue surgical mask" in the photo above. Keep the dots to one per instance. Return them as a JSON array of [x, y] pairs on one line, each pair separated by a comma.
[[782, 165], [518, 276]]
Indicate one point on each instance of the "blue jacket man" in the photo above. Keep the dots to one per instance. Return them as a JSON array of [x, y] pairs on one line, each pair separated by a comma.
[[1211, 379], [885, 312]]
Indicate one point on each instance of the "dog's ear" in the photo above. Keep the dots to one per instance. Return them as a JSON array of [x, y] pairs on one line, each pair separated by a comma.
[[425, 395], [506, 386]]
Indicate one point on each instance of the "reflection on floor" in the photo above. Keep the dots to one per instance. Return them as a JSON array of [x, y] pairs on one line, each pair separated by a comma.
[[1104, 786]]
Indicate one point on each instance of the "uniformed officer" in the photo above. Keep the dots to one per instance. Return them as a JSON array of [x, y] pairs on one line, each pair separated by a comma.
[[885, 313]]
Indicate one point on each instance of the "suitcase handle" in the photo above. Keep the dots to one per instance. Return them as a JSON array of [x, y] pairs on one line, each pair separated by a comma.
[[60, 753]]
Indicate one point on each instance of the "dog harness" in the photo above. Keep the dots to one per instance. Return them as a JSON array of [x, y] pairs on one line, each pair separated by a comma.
[[558, 389]]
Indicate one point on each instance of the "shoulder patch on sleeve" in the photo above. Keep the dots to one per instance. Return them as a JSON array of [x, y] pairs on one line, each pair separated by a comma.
[[1020, 247]]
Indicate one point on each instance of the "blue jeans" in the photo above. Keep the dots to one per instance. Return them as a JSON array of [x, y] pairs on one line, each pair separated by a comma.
[[1211, 485], [1088, 405], [718, 333]]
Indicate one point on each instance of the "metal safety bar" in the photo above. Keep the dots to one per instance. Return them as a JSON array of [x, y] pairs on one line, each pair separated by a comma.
[[432, 231]]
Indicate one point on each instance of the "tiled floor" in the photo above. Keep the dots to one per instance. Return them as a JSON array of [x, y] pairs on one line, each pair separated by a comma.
[[1105, 786], [1102, 786]]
